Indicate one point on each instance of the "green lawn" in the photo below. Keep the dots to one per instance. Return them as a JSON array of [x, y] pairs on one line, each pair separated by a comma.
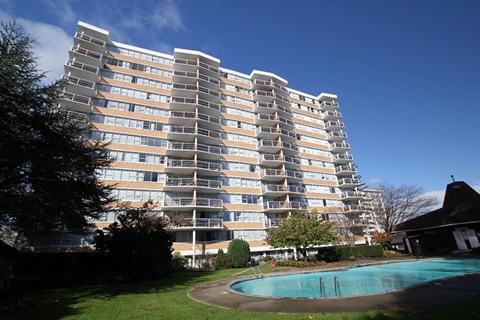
[[167, 299]]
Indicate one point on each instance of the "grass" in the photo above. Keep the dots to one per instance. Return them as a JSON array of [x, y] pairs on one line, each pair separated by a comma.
[[167, 299]]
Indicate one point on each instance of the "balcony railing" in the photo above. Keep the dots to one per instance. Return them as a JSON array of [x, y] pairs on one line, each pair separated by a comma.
[[284, 205], [198, 223], [352, 195], [190, 182], [274, 188], [194, 164], [337, 134], [184, 146], [289, 134], [193, 202], [197, 63], [339, 169], [282, 173], [339, 145], [193, 115], [193, 130], [328, 105], [76, 98], [289, 146], [82, 66], [296, 189], [334, 125], [88, 53], [286, 121], [354, 208], [201, 102], [90, 39], [342, 157], [348, 181], [195, 75], [268, 143], [79, 82]]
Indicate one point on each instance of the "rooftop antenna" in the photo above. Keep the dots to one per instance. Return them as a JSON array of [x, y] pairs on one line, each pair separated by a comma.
[[453, 178]]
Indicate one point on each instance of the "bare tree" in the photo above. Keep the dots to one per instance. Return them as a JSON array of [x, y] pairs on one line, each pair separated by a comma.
[[401, 203]]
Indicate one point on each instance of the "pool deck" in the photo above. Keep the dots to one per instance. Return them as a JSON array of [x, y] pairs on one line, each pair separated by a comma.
[[437, 292]]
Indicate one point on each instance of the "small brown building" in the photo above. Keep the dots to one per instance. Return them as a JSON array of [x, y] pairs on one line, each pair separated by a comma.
[[455, 226]]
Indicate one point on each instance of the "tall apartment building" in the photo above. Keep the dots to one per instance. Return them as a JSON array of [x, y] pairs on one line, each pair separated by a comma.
[[222, 154]]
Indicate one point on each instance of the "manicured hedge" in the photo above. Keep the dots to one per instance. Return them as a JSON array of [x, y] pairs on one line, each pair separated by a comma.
[[344, 253]]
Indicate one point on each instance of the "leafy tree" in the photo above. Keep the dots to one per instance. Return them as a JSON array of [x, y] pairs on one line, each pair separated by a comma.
[[239, 252], [139, 244], [383, 238], [302, 230], [48, 172], [401, 203]]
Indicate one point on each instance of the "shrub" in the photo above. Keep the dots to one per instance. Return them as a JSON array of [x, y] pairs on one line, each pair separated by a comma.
[[312, 258], [179, 262], [327, 254], [344, 253], [239, 252], [220, 260]]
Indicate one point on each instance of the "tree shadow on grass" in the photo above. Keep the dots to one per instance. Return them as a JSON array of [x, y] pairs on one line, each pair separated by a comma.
[[60, 303]]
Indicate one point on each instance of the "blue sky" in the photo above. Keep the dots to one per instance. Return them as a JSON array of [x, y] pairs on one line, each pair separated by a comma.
[[407, 72]]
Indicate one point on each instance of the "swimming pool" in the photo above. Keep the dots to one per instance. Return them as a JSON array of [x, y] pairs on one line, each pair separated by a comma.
[[357, 281]]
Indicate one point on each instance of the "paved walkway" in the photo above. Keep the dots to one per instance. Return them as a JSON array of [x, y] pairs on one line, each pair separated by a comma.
[[218, 294]]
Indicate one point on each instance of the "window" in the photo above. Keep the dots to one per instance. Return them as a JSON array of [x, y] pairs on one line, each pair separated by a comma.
[[249, 198]]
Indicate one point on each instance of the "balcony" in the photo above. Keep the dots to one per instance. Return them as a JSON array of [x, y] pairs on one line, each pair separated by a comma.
[[271, 223], [328, 105], [189, 166], [82, 86], [188, 134], [261, 107], [88, 42], [278, 175], [296, 190], [76, 102], [199, 223], [275, 160], [192, 203], [192, 65], [331, 115], [286, 122], [288, 135], [289, 148], [345, 170], [355, 208], [267, 132], [86, 56], [339, 147], [336, 136], [348, 182], [193, 77], [82, 70], [263, 96], [352, 195], [274, 189], [334, 125], [342, 158], [278, 206], [190, 184], [184, 149], [266, 119], [270, 146]]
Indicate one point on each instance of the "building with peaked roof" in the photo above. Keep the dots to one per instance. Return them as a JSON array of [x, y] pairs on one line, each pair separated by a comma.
[[455, 226], [220, 153]]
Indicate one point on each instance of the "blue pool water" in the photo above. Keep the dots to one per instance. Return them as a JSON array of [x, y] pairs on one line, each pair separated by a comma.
[[358, 281]]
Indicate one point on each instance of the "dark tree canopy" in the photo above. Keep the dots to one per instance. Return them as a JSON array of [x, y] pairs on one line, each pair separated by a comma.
[[139, 244], [47, 170], [302, 230], [239, 252]]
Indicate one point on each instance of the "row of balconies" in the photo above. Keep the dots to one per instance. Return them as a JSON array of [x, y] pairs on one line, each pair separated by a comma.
[[195, 76], [260, 106], [282, 189], [271, 119], [197, 63], [275, 159], [186, 184], [272, 132], [173, 165], [279, 174], [194, 89], [257, 83]]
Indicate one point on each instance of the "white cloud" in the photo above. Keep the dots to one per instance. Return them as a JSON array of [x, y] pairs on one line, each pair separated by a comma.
[[62, 10], [167, 15], [51, 47]]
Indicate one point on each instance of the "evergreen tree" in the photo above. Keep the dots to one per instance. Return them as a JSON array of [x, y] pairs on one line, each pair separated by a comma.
[[239, 252], [48, 175]]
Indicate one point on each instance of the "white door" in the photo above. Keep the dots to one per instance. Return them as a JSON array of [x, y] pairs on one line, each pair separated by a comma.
[[460, 240], [472, 238]]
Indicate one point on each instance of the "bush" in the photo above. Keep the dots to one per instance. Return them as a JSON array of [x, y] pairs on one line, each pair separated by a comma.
[[220, 260], [327, 254], [312, 258], [239, 252], [344, 253], [179, 262]]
